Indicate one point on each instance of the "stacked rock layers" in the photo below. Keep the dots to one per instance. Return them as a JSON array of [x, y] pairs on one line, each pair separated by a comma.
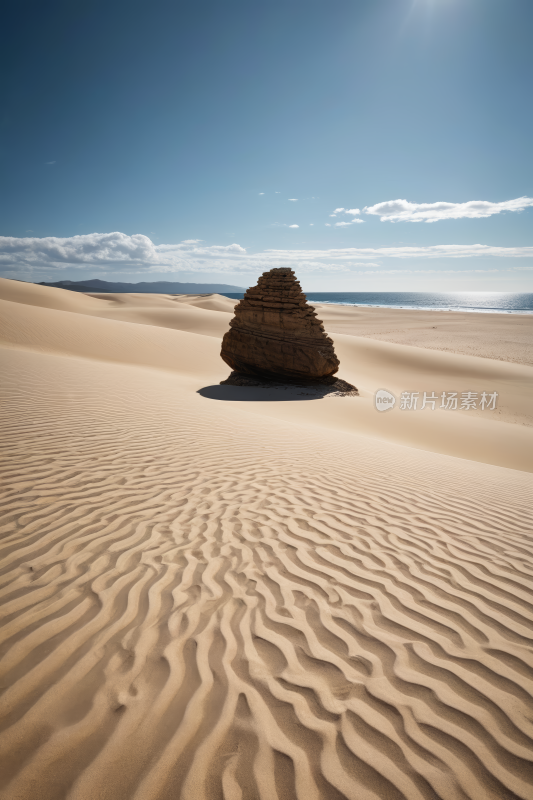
[[275, 334]]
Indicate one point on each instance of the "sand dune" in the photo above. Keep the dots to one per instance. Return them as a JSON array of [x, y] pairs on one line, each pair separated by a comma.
[[62, 300], [191, 348], [82, 335], [234, 600], [180, 312]]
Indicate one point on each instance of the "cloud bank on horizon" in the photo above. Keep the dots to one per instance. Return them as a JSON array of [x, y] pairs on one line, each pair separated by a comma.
[[137, 253]]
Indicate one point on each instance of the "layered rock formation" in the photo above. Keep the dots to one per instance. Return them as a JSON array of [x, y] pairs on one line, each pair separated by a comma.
[[276, 335]]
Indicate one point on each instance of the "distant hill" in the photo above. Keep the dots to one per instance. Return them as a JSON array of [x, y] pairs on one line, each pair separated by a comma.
[[156, 287]]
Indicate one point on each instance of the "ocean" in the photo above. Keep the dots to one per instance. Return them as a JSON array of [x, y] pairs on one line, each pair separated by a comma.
[[492, 302]]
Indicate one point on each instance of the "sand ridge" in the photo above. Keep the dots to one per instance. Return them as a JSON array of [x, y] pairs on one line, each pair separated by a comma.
[[212, 599]]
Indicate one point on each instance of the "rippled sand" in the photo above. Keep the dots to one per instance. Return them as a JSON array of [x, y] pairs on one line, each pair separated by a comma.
[[206, 599]]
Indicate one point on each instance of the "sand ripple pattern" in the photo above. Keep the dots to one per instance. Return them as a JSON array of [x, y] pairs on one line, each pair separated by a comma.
[[193, 612]]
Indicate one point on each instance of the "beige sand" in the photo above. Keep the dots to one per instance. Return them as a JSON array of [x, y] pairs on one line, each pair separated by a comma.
[[505, 337], [213, 592]]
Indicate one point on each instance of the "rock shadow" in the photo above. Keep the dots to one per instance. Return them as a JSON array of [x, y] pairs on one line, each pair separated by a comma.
[[271, 392]]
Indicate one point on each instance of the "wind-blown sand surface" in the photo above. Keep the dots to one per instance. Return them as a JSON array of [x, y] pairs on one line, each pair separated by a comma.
[[216, 592], [505, 337]]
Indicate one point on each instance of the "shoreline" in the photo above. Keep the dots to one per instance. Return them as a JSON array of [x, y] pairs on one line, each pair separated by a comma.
[[438, 301], [459, 310]]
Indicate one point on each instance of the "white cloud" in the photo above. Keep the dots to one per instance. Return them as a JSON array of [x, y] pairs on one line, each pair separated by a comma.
[[424, 271], [116, 251], [311, 266], [311, 224], [328, 225], [93, 248], [352, 211], [294, 226], [432, 251], [260, 193], [404, 211], [293, 199], [101, 253], [277, 192]]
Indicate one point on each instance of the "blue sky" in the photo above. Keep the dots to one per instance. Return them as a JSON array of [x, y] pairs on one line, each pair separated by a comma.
[[187, 140]]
